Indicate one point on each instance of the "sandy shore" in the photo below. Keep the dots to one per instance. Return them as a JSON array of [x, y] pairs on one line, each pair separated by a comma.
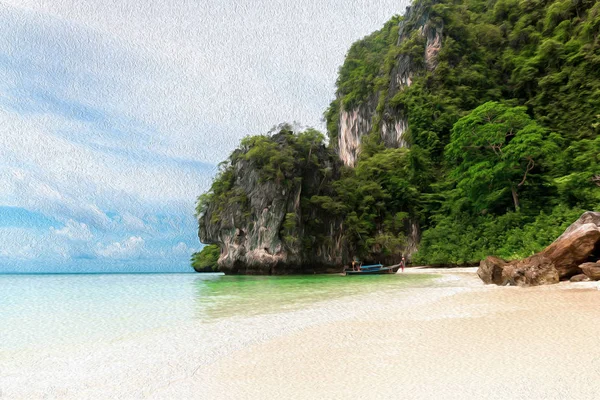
[[461, 340]]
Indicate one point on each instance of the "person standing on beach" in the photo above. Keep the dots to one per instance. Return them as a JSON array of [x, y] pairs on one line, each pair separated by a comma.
[[402, 263], [356, 264]]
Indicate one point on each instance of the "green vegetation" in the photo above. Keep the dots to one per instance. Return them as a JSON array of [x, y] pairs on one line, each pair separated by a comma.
[[496, 150], [278, 158], [206, 259], [375, 200], [297, 162], [365, 72], [503, 133], [361, 74]]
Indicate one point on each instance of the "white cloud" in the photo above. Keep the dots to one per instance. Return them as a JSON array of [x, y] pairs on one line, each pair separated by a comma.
[[183, 249], [206, 73], [65, 180], [107, 106], [74, 230], [133, 247], [27, 244], [133, 223]]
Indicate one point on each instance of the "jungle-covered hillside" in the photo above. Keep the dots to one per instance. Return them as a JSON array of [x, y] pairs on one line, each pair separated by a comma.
[[501, 150]]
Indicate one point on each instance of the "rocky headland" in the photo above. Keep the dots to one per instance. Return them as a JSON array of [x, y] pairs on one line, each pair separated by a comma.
[[264, 222], [457, 130]]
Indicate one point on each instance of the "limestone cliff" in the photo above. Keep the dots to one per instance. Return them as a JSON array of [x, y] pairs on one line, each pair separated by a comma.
[[361, 119], [265, 225], [414, 48], [268, 226]]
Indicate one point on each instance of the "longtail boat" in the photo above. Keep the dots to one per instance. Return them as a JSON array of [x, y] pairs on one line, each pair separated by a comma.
[[374, 270]]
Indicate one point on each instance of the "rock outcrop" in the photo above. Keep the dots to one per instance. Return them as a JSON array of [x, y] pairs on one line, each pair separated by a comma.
[[353, 125], [266, 233], [591, 270], [358, 121], [575, 252]]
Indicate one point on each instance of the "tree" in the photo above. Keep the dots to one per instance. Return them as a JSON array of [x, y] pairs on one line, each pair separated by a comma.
[[580, 186], [496, 150], [377, 198]]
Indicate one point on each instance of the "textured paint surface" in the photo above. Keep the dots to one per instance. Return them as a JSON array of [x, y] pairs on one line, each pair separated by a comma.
[[265, 338], [357, 122], [62, 310], [114, 115]]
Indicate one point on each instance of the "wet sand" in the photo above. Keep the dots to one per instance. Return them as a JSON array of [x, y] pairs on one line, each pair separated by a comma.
[[458, 341]]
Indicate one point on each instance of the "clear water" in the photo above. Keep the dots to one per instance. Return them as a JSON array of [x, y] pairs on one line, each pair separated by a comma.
[[50, 310]]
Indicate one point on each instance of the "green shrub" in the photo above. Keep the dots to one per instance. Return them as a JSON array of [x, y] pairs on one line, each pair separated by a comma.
[[206, 259]]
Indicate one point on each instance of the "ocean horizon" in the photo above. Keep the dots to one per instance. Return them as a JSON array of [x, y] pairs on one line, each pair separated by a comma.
[[96, 266]]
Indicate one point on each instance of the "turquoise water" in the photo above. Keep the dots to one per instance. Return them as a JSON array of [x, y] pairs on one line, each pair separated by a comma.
[[54, 310]]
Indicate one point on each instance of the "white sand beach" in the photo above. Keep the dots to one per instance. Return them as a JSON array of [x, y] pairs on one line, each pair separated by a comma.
[[458, 341]]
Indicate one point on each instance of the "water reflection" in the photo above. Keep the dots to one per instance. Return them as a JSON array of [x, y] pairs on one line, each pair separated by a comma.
[[226, 295]]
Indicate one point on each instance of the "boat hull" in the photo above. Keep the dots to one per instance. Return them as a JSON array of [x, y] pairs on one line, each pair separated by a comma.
[[379, 271]]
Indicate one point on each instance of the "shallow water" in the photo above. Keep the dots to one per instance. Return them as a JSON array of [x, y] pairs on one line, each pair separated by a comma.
[[49, 310]]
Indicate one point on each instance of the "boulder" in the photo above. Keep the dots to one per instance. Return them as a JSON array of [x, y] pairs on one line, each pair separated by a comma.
[[567, 256], [580, 278], [532, 271], [591, 270], [535, 270], [576, 245], [490, 271]]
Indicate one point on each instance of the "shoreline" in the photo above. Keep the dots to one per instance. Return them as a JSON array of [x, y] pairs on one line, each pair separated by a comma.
[[482, 342], [427, 342]]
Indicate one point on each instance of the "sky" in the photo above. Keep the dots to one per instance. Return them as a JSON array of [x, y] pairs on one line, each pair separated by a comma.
[[115, 113]]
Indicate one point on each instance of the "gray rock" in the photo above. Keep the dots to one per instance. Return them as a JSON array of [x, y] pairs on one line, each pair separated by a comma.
[[252, 236], [357, 122]]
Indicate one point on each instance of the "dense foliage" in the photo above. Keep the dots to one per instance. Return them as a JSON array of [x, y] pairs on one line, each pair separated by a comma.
[[504, 151], [365, 72], [496, 150], [375, 200], [285, 161], [206, 259], [276, 157], [505, 127]]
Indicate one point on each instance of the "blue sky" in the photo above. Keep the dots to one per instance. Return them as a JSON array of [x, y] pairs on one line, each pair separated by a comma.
[[114, 114]]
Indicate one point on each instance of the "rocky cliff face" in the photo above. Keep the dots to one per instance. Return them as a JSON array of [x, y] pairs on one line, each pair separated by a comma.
[[271, 230], [354, 124], [266, 232], [358, 121]]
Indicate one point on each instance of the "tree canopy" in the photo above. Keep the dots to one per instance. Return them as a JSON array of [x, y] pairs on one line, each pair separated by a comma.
[[496, 150], [503, 147], [503, 133]]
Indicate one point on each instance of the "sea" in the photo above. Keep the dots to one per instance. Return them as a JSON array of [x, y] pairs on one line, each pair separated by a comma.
[[57, 310]]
